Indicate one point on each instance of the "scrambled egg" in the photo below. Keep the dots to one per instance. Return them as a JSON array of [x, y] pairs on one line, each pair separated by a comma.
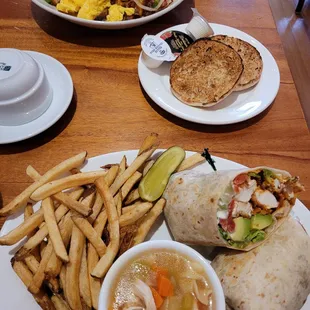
[[70, 6], [92, 8], [116, 13]]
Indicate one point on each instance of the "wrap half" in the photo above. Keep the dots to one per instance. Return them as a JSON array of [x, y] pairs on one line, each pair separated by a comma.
[[274, 276], [238, 209]]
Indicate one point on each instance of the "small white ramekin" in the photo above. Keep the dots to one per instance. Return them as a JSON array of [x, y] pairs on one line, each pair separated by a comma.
[[109, 282], [25, 92]]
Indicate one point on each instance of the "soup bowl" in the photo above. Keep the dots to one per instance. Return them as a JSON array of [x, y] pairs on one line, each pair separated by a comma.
[[106, 293]]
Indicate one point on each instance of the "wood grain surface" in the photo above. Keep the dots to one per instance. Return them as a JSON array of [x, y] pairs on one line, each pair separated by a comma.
[[111, 112]]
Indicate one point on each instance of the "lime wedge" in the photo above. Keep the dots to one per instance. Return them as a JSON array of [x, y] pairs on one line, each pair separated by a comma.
[[155, 181]]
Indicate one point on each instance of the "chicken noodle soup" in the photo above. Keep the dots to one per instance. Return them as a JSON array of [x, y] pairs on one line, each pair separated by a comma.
[[164, 280]]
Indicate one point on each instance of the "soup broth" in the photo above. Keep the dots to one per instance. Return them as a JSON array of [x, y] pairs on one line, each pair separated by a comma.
[[164, 280]]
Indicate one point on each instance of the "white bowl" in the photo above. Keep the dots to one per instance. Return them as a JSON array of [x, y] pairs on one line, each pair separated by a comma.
[[25, 93], [122, 261], [103, 24]]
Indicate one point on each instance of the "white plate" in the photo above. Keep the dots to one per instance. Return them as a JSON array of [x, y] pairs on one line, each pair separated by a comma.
[[103, 24], [14, 295], [61, 83], [237, 107]]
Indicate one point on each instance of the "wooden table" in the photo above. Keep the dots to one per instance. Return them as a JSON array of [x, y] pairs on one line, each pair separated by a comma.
[[110, 111]]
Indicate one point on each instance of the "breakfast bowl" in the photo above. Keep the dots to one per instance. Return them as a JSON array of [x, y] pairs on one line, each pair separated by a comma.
[[25, 92], [107, 24], [163, 274]]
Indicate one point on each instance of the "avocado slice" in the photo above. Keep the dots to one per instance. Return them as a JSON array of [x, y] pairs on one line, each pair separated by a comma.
[[260, 221], [242, 229]]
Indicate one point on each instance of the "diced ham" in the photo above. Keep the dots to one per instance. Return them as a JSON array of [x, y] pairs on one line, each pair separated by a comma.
[[243, 209], [265, 199]]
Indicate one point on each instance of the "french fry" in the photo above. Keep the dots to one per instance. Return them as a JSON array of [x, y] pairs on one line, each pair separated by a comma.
[[148, 221], [22, 271], [126, 188], [135, 214], [148, 142], [54, 264], [148, 166], [93, 258], [132, 196], [27, 213], [59, 185], [33, 264], [84, 279], [106, 261], [118, 202], [23, 229], [43, 231], [98, 204], [62, 279], [63, 198], [90, 233], [39, 276], [122, 165], [50, 175], [73, 269], [131, 207], [43, 245], [53, 230], [72, 204], [26, 276], [191, 162], [136, 164], [59, 303]]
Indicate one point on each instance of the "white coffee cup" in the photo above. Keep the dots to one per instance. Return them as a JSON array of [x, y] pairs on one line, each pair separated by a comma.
[[25, 92]]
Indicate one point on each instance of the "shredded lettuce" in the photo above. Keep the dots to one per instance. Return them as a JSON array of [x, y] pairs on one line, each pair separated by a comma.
[[268, 175], [254, 236], [48, 1]]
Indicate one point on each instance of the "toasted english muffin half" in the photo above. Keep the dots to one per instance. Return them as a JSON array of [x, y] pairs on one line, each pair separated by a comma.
[[205, 73], [252, 60]]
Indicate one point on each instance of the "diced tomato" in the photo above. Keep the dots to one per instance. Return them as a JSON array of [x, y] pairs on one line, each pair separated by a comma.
[[228, 224]]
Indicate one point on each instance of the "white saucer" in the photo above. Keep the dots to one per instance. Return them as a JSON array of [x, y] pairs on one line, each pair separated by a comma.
[[237, 107], [61, 83]]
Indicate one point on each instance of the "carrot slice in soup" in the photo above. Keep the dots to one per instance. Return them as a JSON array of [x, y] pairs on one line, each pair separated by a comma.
[[157, 298], [164, 286]]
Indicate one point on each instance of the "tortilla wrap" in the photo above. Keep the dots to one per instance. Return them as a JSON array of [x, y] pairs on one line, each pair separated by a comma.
[[192, 205], [274, 276]]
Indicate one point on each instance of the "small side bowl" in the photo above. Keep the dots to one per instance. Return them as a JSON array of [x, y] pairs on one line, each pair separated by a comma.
[[25, 93], [119, 265]]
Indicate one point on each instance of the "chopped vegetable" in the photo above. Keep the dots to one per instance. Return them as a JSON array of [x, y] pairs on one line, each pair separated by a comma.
[[188, 301], [155, 181], [157, 298], [160, 271], [164, 286], [144, 292]]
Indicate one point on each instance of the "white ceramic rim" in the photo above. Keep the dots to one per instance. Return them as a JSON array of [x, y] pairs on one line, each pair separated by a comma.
[[218, 294], [210, 121], [133, 22], [29, 130]]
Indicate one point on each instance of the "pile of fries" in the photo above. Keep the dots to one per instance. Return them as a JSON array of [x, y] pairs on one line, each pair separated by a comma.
[[85, 221]]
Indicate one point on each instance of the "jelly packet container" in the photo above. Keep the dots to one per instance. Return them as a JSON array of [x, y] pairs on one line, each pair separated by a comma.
[[169, 45]]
